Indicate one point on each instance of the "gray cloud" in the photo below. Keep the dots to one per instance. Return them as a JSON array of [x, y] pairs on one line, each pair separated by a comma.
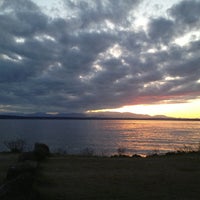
[[161, 30], [187, 12], [95, 58], [92, 13]]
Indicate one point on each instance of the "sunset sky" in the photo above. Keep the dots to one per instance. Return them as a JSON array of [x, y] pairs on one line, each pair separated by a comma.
[[100, 55]]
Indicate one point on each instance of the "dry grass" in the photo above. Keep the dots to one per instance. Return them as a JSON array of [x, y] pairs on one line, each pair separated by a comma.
[[74, 177]]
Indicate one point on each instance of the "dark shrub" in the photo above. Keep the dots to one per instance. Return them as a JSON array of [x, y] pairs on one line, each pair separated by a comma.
[[121, 151], [88, 152], [136, 156], [15, 146], [171, 153]]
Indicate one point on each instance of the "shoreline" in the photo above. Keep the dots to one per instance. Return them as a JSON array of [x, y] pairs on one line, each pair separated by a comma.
[[2, 117]]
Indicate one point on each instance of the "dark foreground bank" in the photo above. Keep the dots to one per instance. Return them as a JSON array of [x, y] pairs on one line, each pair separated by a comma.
[[172, 176], [162, 177]]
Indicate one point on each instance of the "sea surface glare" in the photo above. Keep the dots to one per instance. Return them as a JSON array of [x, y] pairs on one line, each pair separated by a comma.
[[103, 136]]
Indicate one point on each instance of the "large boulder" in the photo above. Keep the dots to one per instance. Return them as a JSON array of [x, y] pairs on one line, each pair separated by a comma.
[[41, 151]]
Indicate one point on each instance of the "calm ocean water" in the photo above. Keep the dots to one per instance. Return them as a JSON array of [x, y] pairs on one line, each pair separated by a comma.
[[104, 136]]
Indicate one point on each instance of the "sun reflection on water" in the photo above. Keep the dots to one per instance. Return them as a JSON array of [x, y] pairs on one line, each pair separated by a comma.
[[143, 137]]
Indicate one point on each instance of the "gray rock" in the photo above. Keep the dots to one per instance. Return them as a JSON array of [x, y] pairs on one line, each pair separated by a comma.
[[41, 151]]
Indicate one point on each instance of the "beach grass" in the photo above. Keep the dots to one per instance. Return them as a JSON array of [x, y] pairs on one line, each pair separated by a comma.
[[104, 178]]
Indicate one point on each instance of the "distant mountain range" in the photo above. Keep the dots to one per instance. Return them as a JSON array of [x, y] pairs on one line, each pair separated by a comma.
[[94, 115], [123, 115]]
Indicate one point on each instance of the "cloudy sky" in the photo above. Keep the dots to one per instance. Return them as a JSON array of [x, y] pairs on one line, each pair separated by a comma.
[[87, 55]]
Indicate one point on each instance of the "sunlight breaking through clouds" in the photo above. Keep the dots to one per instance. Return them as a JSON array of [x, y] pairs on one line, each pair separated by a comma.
[[74, 56], [187, 38]]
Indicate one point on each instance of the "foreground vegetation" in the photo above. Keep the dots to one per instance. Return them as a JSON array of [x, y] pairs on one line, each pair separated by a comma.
[[6, 160], [175, 175], [166, 177]]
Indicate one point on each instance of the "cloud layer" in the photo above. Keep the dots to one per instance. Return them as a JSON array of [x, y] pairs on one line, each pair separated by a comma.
[[96, 57]]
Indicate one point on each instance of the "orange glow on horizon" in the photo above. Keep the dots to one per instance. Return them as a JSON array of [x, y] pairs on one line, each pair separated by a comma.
[[178, 110]]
